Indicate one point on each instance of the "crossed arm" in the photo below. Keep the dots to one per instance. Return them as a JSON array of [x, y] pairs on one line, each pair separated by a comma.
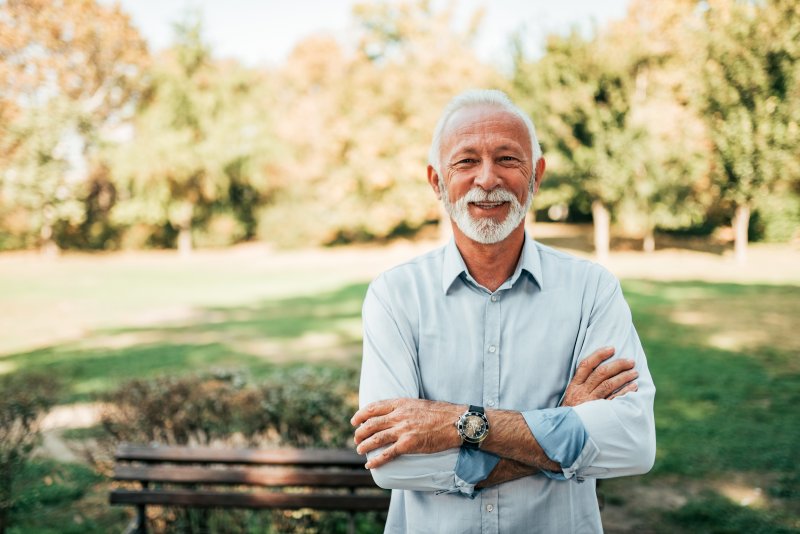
[[413, 426]]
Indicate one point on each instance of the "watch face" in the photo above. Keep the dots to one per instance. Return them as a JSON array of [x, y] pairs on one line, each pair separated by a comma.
[[474, 426]]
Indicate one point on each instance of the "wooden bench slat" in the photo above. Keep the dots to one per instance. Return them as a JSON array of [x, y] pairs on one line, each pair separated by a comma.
[[211, 499], [268, 477], [305, 457]]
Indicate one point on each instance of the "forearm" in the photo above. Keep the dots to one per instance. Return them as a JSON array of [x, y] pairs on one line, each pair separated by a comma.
[[511, 438], [506, 471]]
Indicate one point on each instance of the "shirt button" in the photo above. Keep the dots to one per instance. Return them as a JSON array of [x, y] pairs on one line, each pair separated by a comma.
[[489, 507], [494, 298], [492, 348], [490, 403]]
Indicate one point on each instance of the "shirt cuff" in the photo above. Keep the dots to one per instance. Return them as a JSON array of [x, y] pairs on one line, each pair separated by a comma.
[[562, 436], [472, 466]]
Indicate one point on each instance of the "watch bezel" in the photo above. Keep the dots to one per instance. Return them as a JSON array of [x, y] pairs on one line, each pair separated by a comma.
[[460, 424]]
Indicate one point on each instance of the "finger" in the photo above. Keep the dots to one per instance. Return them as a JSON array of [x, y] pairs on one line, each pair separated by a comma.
[[606, 371], [590, 363], [372, 409], [628, 388], [377, 440], [370, 427], [384, 457], [612, 384]]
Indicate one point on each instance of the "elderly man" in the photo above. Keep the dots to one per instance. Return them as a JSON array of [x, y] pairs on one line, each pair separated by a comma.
[[487, 404]]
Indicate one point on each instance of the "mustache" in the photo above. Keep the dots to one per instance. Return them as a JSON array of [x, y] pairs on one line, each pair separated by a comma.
[[476, 194]]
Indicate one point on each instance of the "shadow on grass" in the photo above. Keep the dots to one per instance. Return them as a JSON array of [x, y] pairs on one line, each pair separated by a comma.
[[254, 338], [723, 413]]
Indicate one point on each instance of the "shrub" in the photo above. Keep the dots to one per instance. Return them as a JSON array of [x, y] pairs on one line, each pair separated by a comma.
[[303, 407], [24, 402]]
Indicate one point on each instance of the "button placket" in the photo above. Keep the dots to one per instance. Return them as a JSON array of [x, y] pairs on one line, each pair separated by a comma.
[[491, 375]]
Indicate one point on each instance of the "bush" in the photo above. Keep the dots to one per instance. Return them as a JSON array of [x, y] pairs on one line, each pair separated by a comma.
[[303, 407], [24, 402]]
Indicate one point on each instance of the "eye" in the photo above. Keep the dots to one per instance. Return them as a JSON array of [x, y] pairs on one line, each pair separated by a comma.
[[465, 162]]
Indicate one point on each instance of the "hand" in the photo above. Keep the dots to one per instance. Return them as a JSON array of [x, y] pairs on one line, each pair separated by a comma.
[[408, 426], [593, 381]]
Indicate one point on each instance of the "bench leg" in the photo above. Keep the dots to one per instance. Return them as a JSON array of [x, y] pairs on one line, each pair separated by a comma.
[[141, 519]]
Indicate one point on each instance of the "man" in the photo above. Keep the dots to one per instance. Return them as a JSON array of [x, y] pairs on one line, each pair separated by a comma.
[[486, 405]]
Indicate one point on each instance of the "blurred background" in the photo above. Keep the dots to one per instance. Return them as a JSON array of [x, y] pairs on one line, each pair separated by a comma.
[[194, 197]]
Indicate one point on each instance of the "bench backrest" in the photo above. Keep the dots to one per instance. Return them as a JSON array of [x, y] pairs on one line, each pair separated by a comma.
[[201, 468]]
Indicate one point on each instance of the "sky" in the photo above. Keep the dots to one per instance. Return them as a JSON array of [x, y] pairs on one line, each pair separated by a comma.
[[263, 32]]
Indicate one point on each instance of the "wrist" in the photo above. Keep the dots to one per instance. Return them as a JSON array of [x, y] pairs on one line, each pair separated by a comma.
[[472, 427]]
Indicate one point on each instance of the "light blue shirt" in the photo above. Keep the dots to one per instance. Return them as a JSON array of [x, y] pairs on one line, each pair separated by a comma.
[[432, 332]]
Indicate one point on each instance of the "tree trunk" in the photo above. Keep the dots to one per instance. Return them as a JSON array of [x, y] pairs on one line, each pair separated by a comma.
[[602, 220], [741, 222], [185, 241], [649, 244], [49, 248]]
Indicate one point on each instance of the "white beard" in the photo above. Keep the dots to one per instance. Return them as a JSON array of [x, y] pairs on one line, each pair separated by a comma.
[[485, 230]]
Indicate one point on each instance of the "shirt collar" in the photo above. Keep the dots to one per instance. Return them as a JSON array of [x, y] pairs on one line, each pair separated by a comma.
[[529, 262]]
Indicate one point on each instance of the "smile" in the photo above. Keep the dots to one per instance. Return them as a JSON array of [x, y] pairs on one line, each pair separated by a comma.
[[487, 205]]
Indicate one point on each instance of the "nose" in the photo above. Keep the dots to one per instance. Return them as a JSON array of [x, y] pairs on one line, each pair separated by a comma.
[[487, 178]]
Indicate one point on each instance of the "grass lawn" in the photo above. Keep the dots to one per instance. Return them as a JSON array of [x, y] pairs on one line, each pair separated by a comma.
[[724, 357]]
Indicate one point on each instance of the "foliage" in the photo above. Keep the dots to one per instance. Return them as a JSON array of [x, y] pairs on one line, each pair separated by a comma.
[[51, 499], [296, 407], [68, 72], [358, 124], [751, 79], [199, 145], [102, 147], [24, 402], [614, 121]]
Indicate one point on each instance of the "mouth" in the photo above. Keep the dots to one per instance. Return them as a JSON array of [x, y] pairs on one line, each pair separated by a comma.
[[488, 205]]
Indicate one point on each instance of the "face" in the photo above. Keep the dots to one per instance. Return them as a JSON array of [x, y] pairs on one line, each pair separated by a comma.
[[487, 178]]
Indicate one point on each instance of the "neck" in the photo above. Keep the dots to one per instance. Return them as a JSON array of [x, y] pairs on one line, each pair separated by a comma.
[[491, 265]]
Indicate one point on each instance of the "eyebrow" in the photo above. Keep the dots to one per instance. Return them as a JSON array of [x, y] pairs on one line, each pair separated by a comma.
[[470, 150]]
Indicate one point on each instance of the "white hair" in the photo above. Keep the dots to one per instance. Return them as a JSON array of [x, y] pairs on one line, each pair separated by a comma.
[[478, 97]]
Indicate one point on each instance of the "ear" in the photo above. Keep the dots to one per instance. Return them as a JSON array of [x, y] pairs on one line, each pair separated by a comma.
[[433, 179], [538, 174]]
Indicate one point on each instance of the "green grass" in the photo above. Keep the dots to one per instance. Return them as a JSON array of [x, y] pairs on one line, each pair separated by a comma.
[[256, 338], [61, 498], [724, 358], [723, 415]]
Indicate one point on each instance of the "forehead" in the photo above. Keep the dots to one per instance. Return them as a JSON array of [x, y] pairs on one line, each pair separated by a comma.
[[476, 126]]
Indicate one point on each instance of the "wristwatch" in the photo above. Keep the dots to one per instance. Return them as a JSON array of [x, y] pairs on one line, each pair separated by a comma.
[[473, 427]]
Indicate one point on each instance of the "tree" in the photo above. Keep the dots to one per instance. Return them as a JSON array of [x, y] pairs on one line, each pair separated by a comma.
[[581, 99], [616, 123], [669, 186], [751, 82], [68, 71], [199, 137], [359, 124]]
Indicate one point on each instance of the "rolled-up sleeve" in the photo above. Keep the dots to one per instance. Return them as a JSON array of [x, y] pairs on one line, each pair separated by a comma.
[[561, 435]]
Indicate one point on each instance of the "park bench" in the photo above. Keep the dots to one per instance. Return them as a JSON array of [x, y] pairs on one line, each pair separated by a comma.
[[204, 477]]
